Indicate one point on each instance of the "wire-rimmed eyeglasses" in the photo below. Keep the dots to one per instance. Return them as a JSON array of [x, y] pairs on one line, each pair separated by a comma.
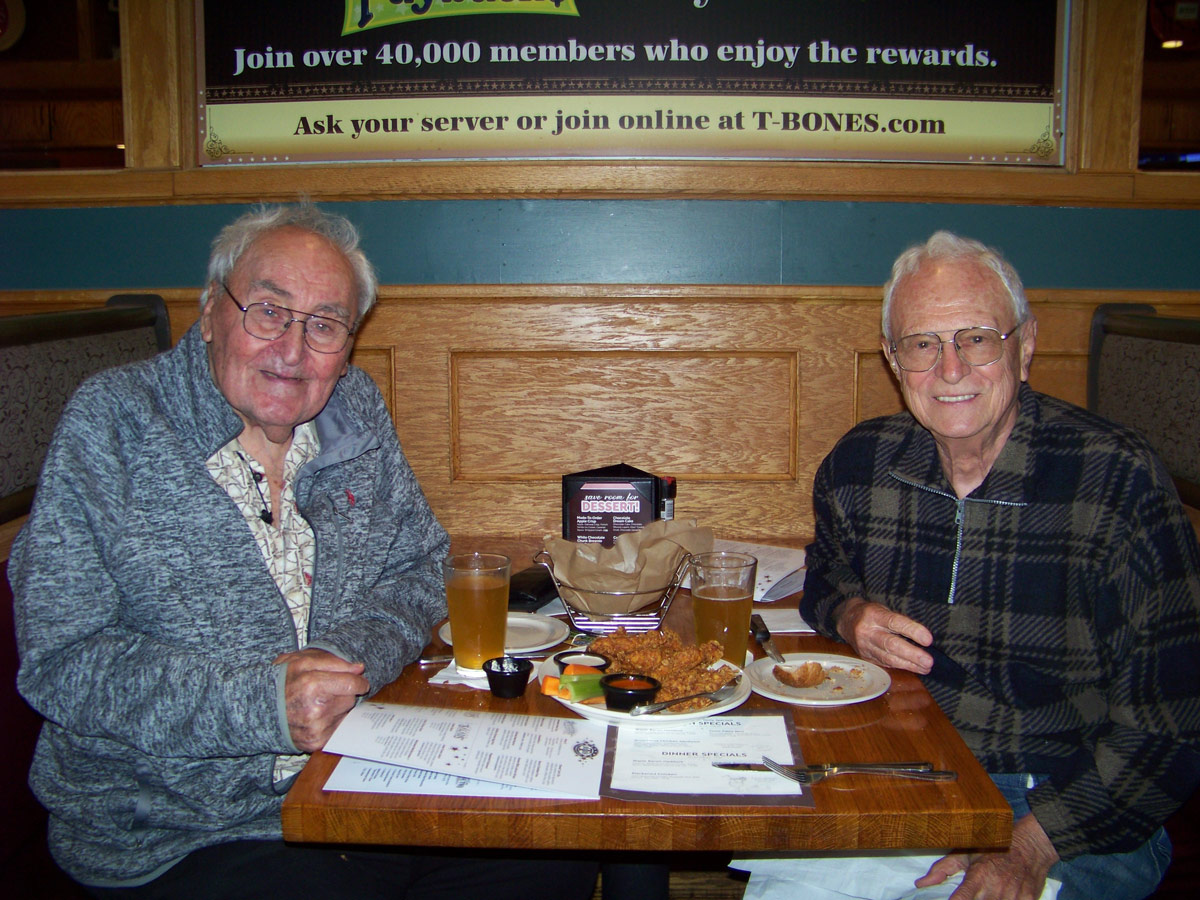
[[979, 345], [269, 321]]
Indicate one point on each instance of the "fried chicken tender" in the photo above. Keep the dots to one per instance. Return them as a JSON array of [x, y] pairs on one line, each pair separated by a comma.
[[661, 654], [621, 641], [636, 653], [688, 659]]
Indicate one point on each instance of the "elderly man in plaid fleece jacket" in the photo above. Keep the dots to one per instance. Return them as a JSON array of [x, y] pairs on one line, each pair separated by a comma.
[[1033, 563]]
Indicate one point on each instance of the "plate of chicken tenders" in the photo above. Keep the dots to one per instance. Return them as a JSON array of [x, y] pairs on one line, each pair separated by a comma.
[[681, 669], [818, 679]]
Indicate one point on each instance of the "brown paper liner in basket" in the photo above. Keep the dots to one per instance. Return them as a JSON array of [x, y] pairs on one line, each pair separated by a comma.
[[630, 584]]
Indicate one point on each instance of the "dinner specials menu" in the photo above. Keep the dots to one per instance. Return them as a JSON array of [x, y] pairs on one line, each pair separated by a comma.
[[543, 752], [675, 765]]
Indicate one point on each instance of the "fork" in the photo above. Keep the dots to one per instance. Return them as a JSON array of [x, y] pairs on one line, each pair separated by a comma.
[[814, 774], [719, 695]]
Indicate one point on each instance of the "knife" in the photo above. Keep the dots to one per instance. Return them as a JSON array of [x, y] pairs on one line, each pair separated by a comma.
[[449, 657], [762, 634], [858, 767]]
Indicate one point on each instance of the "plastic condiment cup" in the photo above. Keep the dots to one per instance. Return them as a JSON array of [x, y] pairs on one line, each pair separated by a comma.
[[623, 691], [507, 676], [566, 658]]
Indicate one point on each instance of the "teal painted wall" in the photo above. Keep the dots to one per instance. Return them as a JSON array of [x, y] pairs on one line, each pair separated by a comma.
[[619, 241]]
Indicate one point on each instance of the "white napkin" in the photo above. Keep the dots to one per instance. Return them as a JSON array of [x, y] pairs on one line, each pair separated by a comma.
[[844, 876], [450, 675], [783, 620]]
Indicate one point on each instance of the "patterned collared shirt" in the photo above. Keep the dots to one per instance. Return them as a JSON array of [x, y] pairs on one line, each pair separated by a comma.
[[288, 545], [1063, 595]]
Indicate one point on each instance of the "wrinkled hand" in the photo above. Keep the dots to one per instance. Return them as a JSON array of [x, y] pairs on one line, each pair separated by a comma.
[[884, 636], [320, 689], [1018, 874]]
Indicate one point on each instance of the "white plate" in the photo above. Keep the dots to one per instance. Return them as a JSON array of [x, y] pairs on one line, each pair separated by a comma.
[[850, 680], [525, 632], [666, 717]]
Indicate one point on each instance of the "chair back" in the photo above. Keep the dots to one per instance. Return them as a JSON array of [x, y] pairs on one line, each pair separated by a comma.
[[43, 358], [1144, 372]]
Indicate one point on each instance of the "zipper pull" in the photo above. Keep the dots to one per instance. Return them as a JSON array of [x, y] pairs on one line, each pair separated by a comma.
[[333, 504]]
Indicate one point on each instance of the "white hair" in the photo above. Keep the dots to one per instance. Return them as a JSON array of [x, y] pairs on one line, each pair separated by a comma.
[[945, 245], [237, 237]]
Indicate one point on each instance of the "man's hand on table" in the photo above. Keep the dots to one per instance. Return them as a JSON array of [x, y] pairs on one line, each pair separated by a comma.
[[320, 689], [884, 636], [1018, 874]]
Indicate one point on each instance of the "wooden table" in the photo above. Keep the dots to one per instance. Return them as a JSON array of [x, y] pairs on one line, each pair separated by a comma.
[[851, 811]]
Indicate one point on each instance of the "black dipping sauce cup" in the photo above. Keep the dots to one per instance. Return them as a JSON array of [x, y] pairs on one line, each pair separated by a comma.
[[507, 676], [623, 692]]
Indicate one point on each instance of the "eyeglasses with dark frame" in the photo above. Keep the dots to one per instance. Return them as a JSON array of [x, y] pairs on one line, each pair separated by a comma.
[[268, 322], [978, 345]]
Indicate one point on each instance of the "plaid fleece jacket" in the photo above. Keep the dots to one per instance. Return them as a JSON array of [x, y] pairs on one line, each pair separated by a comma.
[[1063, 596]]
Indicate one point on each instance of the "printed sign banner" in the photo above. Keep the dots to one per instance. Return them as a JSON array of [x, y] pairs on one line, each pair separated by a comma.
[[285, 81]]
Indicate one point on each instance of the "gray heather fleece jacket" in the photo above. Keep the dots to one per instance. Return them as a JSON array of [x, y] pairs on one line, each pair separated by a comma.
[[147, 620]]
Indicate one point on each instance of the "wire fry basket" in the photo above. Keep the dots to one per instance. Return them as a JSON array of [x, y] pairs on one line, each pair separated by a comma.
[[645, 617]]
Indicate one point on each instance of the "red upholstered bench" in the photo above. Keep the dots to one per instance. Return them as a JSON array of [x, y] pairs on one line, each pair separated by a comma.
[[26, 869]]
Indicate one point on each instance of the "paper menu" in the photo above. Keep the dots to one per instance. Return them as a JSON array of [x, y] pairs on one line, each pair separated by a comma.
[[675, 765], [543, 752], [634, 762], [366, 776], [780, 569]]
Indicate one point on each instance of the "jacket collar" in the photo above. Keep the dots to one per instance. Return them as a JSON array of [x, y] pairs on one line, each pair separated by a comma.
[[917, 459], [208, 416], [204, 412]]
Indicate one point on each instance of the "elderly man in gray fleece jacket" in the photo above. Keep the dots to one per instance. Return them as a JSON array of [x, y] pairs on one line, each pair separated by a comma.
[[227, 549]]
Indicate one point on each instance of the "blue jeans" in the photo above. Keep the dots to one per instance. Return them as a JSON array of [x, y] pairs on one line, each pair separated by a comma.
[[1108, 876]]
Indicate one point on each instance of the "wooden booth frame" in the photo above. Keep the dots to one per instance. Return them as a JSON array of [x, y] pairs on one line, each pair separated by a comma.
[[1104, 66]]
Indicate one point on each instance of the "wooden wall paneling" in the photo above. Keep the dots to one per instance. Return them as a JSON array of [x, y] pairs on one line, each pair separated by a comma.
[[1109, 88], [1060, 359], [711, 413], [1170, 104], [380, 364], [81, 123], [614, 378], [1185, 123], [25, 122], [724, 180], [1155, 124], [157, 81], [877, 392], [498, 390], [661, 178], [836, 334], [1062, 374]]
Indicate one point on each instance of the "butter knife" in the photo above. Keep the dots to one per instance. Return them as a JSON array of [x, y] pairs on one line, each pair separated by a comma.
[[762, 634], [434, 658], [864, 768]]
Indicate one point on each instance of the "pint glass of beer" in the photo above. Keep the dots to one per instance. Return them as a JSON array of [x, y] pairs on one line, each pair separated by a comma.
[[477, 595], [722, 594]]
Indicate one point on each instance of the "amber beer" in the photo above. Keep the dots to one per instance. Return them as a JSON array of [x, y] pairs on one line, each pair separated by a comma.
[[477, 597], [722, 614], [722, 595]]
